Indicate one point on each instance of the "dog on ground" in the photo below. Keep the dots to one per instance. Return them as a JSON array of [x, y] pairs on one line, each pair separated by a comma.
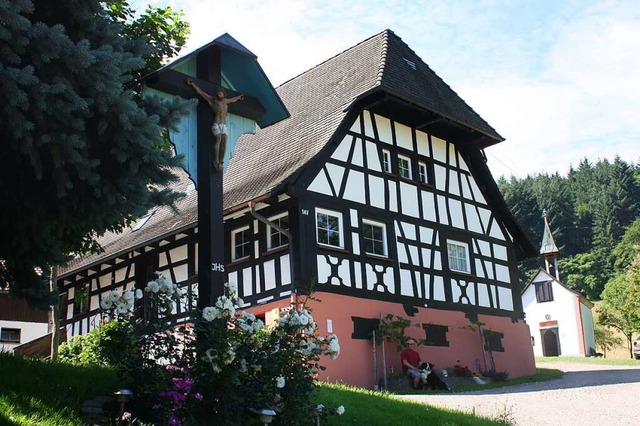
[[429, 378]]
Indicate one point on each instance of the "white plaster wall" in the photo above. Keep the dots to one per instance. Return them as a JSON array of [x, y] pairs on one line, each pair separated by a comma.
[[28, 332], [588, 328], [562, 310]]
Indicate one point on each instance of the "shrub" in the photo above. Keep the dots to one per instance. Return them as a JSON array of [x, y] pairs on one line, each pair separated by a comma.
[[103, 346], [221, 367]]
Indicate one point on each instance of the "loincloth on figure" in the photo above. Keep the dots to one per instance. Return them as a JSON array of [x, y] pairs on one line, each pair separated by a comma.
[[219, 129]]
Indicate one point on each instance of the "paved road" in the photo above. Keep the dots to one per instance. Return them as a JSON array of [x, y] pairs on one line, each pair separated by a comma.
[[586, 395]]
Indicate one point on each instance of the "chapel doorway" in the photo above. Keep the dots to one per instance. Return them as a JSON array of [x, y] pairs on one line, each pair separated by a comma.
[[550, 342]]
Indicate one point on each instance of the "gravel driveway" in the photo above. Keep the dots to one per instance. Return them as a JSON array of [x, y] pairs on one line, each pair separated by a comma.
[[586, 395]]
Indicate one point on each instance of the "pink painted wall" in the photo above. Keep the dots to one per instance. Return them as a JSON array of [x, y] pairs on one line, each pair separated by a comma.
[[354, 366]]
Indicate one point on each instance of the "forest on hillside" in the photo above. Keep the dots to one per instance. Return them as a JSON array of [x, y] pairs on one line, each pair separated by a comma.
[[593, 213]]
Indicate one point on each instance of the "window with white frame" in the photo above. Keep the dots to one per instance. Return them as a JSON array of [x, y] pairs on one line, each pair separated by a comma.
[[386, 161], [276, 238], [374, 235], [458, 256], [329, 228], [404, 167], [240, 243], [422, 172]]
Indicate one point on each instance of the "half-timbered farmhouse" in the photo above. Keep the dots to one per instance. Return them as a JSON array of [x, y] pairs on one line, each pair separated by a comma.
[[376, 193]]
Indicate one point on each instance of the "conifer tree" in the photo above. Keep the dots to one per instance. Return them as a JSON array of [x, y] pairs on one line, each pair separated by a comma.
[[80, 153]]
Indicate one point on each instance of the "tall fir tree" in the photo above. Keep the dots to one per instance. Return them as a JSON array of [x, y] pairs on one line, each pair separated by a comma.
[[80, 153], [582, 191], [589, 211]]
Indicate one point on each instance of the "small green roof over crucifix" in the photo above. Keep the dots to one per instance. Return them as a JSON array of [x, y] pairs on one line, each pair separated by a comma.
[[239, 73]]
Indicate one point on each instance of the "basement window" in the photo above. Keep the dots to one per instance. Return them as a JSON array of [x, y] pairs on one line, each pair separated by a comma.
[[435, 335], [493, 341], [10, 335]]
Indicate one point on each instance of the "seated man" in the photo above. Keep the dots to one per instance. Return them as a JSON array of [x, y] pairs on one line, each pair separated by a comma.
[[411, 363]]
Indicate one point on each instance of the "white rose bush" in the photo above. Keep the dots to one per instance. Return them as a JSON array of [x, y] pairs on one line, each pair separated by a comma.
[[242, 365], [221, 366], [120, 303]]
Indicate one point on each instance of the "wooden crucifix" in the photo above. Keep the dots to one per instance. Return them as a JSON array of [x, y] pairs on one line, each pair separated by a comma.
[[201, 74]]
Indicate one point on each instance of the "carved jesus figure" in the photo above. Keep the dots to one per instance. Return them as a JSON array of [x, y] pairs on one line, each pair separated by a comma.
[[219, 106]]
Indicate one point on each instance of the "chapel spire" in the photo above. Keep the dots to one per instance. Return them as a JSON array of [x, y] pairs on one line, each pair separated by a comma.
[[548, 250]]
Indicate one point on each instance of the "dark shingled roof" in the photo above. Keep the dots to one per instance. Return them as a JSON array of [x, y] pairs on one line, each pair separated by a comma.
[[164, 221], [318, 101]]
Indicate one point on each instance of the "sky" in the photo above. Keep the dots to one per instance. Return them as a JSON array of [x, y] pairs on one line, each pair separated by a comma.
[[558, 79]]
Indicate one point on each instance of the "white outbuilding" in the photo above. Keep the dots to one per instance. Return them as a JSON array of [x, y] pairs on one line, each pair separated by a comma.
[[560, 319]]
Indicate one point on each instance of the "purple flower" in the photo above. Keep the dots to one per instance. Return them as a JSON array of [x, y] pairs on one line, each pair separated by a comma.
[[171, 367], [174, 421], [126, 415], [177, 397], [183, 384], [198, 396]]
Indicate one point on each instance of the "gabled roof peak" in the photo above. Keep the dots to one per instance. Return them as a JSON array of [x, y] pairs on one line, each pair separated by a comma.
[[382, 34]]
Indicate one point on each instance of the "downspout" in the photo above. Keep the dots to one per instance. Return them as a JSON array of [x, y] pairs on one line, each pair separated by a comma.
[[254, 213]]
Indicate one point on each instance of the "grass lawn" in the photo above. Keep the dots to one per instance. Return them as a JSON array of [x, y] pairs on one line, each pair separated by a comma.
[[36, 392], [542, 375], [365, 407], [586, 360]]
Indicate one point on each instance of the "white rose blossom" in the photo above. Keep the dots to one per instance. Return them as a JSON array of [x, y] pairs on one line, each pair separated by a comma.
[[210, 313], [139, 294], [243, 365], [114, 295], [106, 303], [153, 287], [340, 410], [122, 306], [333, 346], [280, 382]]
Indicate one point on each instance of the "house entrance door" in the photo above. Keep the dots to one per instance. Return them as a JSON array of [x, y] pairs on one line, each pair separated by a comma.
[[550, 342]]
